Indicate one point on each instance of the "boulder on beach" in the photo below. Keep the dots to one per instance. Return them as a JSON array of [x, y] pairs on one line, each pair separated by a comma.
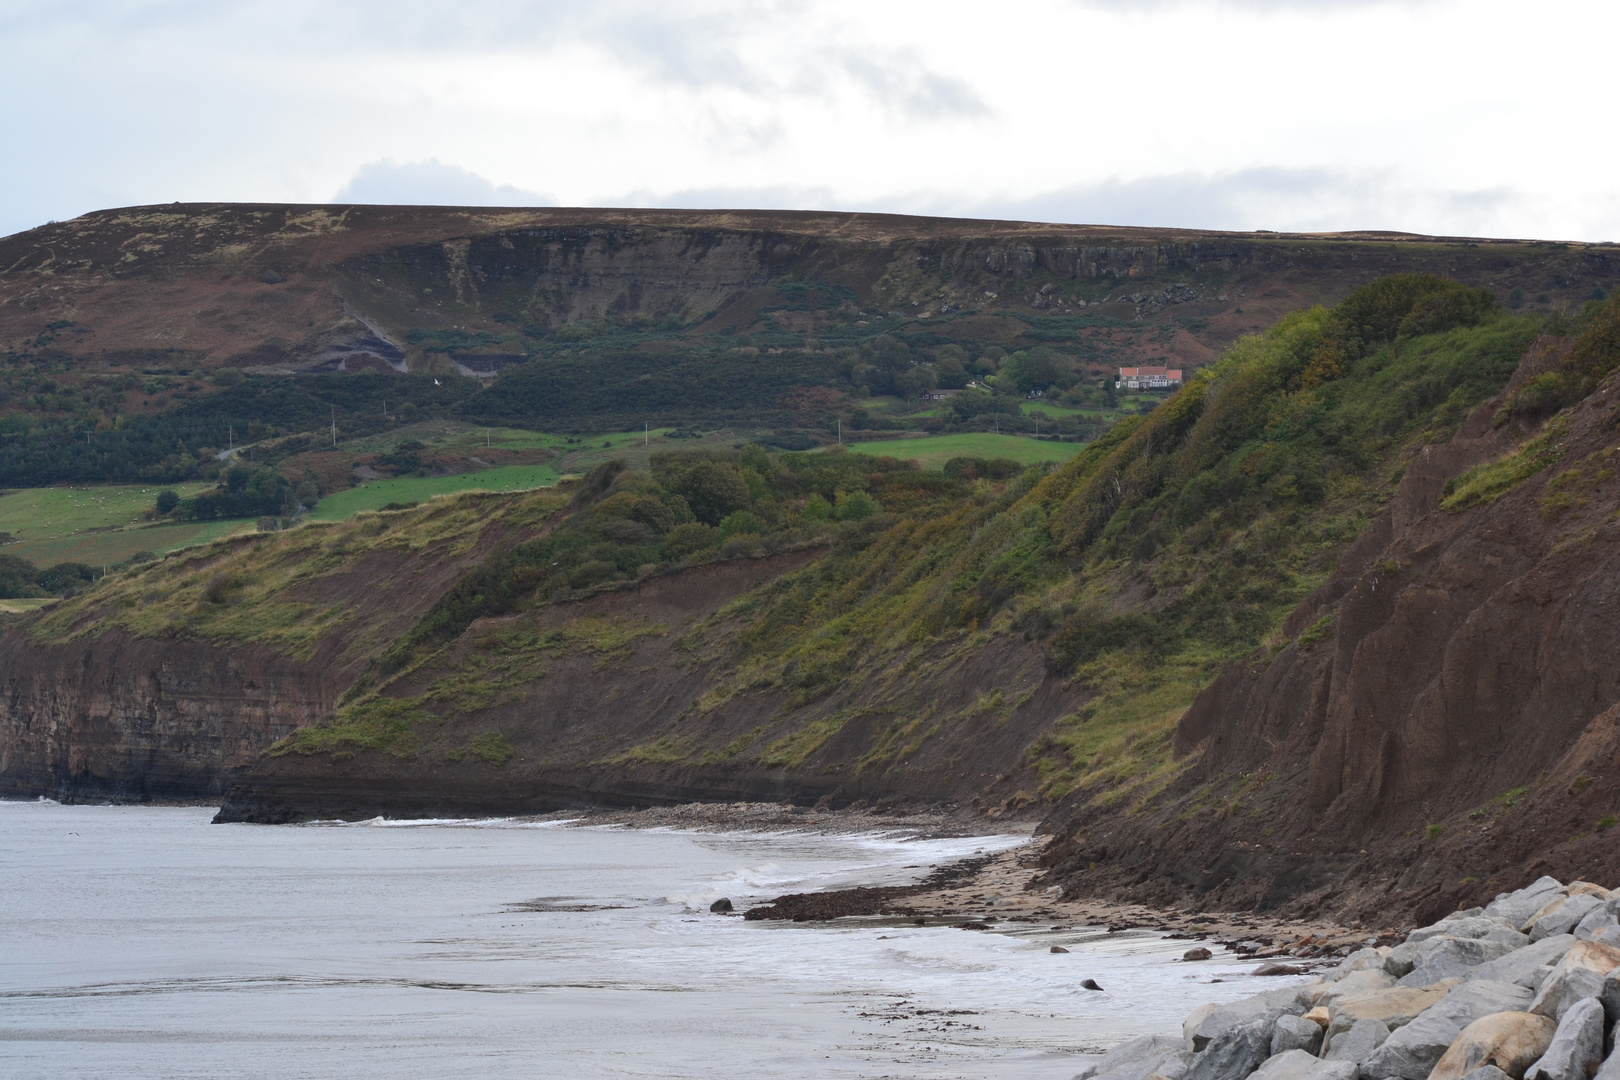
[[1560, 916], [1576, 1049], [1145, 1046], [1360, 960], [1448, 957], [1509, 1041], [1517, 907], [721, 905], [1359, 1042], [1486, 927], [1521, 965], [1295, 1033], [1197, 954], [1487, 1072], [1394, 1007], [1208, 1021], [1600, 918], [1298, 1065], [1579, 974], [1413, 1050], [1234, 1053]]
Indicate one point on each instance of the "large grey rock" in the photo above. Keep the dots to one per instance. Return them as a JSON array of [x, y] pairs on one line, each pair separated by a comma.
[[1447, 957], [1413, 1051], [1609, 935], [1577, 1046], [1561, 916], [1394, 1008], [1599, 918], [1488, 1072], [1354, 984], [1509, 1041], [1207, 1022], [1610, 1069], [1145, 1046], [1298, 1065], [1488, 927], [1518, 906], [1170, 1064], [1359, 1042], [1295, 1033], [1234, 1053], [1360, 960], [1579, 974], [1519, 966], [1610, 996]]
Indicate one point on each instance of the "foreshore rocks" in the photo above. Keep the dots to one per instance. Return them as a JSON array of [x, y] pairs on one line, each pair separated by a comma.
[[1527, 988]]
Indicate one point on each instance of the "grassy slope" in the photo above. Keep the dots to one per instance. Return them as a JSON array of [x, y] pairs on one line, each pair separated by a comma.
[[294, 589], [1148, 563], [933, 451], [1143, 566], [375, 494]]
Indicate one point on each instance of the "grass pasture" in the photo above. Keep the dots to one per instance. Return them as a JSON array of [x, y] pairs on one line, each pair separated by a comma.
[[933, 451], [376, 494], [114, 546]]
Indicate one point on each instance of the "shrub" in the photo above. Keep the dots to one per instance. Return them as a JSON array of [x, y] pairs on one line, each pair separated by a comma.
[[856, 506], [817, 509], [167, 500], [743, 521], [689, 539], [17, 578], [66, 578]]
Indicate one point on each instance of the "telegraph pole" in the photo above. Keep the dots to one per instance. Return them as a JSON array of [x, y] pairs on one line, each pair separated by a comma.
[[646, 434], [334, 425]]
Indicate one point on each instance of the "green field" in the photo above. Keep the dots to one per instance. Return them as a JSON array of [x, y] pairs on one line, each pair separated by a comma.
[[96, 525], [107, 548], [376, 494], [934, 451], [40, 513], [19, 606]]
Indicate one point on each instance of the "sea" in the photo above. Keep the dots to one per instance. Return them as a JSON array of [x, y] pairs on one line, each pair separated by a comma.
[[142, 942]]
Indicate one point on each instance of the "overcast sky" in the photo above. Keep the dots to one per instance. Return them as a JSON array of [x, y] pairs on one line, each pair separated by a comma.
[[1477, 117]]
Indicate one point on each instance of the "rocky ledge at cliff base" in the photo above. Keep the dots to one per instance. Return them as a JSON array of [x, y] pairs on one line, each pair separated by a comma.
[[1527, 988]]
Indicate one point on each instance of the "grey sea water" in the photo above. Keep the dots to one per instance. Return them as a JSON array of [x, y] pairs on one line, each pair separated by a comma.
[[145, 942]]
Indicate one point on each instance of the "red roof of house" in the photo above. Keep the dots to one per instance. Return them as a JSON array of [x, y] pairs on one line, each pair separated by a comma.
[[1149, 370]]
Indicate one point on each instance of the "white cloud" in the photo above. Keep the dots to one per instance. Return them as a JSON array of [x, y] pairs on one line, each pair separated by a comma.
[[431, 183], [1429, 115]]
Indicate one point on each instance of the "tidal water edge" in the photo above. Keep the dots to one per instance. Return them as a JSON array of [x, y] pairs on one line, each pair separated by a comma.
[[145, 942]]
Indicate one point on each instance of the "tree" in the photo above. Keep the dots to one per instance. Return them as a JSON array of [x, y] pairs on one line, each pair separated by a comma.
[[167, 500], [712, 489]]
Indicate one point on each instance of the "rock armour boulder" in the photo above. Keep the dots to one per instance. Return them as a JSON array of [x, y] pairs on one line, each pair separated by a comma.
[[1576, 1049], [1508, 1041]]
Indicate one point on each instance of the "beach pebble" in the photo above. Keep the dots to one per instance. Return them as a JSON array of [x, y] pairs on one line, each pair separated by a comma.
[[1197, 954]]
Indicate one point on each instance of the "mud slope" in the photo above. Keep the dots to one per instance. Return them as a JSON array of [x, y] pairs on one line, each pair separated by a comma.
[[1438, 722], [276, 288]]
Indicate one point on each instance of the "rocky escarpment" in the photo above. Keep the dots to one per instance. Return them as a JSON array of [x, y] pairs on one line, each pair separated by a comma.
[[275, 288], [1441, 718], [122, 718], [1526, 988]]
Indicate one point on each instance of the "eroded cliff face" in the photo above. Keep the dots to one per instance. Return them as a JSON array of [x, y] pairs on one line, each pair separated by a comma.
[[612, 700], [1440, 721], [166, 682], [126, 719]]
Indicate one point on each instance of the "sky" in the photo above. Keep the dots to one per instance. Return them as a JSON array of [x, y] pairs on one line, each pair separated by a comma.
[[1456, 117]]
